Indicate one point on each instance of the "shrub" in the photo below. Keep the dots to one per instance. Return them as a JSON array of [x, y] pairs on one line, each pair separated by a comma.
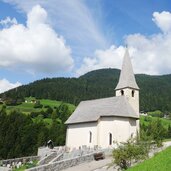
[[155, 130], [38, 105], [128, 152], [156, 113]]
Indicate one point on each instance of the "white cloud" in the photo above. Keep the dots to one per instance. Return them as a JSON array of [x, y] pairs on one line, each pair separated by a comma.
[[35, 47], [8, 22], [5, 85], [163, 20], [150, 54], [73, 19], [109, 58]]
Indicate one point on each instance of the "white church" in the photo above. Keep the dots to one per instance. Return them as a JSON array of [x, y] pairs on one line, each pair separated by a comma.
[[101, 122]]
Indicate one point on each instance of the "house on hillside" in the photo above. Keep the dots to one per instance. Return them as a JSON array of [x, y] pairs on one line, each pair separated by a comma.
[[101, 122]]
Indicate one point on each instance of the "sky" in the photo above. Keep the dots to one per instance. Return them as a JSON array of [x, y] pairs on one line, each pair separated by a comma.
[[54, 38]]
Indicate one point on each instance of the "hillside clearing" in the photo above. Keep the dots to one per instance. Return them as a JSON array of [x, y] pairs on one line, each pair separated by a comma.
[[28, 106]]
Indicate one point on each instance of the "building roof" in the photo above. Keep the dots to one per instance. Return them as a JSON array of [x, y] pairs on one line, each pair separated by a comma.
[[127, 78], [92, 110]]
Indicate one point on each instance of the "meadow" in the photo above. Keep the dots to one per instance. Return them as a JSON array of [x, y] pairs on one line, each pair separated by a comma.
[[28, 106]]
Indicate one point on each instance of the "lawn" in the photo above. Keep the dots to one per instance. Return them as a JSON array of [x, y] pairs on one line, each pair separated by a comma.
[[160, 162]]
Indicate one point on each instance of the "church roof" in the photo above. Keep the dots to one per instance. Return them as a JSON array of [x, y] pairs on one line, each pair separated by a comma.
[[127, 78], [92, 110]]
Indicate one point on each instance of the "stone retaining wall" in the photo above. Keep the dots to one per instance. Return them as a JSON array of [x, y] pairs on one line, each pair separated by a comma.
[[58, 158], [56, 166], [47, 159]]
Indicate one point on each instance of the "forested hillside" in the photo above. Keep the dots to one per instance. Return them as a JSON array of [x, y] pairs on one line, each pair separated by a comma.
[[21, 134], [155, 91]]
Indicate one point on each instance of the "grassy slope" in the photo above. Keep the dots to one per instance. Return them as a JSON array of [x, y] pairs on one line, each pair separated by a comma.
[[146, 119], [29, 107], [160, 162]]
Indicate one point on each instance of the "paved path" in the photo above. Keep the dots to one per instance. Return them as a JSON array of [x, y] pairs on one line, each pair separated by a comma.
[[90, 166], [102, 165]]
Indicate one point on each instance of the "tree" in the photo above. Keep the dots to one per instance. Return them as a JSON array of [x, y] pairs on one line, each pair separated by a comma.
[[128, 152], [154, 131], [98, 84], [19, 135], [169, 131], [63, 112]]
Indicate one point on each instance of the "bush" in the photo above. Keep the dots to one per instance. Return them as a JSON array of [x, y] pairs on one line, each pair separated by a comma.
[[154, 131], [34, 114], [38, 105], [156, 113], [46, 106], [128, 152]]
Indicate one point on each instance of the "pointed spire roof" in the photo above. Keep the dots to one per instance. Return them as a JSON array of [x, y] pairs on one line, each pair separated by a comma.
[[127, 78]]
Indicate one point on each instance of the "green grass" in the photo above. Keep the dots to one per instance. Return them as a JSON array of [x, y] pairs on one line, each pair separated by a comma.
[[146, 119], [54, 103], [160, 162], [29, 107], [22, 168], [26, 166]]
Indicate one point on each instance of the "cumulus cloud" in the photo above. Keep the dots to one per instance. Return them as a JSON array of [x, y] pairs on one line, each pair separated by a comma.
[[72, 18], [109, 58], [35, 47], [163, 20], [8, 22], [150, 54], [5, 85]]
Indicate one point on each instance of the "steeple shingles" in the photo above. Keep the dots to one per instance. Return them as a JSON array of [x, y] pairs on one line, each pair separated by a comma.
[[127, 78]]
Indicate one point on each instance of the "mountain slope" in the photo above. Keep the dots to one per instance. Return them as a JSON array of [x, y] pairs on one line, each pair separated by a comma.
[[155, 91]]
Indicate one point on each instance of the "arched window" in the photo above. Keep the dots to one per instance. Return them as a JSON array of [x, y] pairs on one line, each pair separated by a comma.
[[110, 139], [90, 137], [133, 93], [122, 92]]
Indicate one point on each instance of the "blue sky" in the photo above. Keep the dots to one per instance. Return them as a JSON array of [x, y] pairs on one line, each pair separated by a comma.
[[55, 38]]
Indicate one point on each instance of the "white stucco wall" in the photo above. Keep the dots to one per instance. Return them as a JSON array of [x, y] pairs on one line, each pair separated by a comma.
[[79, 134], [121, 129]]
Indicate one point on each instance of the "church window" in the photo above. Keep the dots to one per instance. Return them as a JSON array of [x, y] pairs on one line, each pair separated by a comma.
[[110, 139], [90, 137], [122, 92], [133, 93]]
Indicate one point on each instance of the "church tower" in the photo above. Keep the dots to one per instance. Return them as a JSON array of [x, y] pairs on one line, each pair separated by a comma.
[[127, 85]]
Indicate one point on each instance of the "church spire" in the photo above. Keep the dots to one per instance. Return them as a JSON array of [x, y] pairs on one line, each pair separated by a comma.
[[127, 78]]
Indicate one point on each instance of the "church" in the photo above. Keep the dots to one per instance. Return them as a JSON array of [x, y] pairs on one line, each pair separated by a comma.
[[101, 122]]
